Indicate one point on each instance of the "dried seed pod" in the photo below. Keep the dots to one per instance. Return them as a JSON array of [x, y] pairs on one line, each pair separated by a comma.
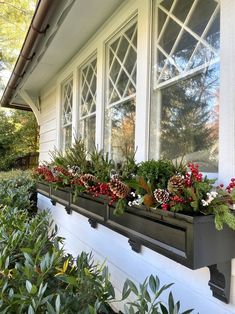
[[161, 196], [118, 188], [88, 179], [175, 184]]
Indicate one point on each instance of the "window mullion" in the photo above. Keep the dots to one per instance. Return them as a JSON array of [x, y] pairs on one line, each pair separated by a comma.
[[202, 36], [178, 37]]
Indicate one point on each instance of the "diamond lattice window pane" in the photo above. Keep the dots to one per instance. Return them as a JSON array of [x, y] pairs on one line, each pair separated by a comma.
[[88, 88], [161, 20], [188, 37], [213, 34], [167, 4], [201, 15], [182, 8], [169, 36], [67, 102], [184, 50], [122, 65]]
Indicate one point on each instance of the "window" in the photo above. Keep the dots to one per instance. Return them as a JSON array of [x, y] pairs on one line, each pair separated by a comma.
[[67, 104], [121, 54], [185, 92], [88, 85]]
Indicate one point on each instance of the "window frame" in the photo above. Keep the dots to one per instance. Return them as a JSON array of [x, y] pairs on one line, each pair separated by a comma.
[[157, 87]]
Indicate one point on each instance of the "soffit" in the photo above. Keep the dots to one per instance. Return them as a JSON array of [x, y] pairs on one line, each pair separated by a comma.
[[82, 21]]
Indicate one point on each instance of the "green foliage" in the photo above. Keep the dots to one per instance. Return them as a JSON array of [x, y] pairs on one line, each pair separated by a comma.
[[147, 298], [156, 172], [101, 165], [129, 167], [36, 274], [13, 174], [14, 22], [18, 136], [17, 190], [7, 138], [75, 155], [26, 132]]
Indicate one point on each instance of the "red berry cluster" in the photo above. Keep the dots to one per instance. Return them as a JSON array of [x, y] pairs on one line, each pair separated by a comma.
[[46, 174], [63, 171], [102, 189], [231, 185], [165, 206], [193, 175], [76, 181], [177, 199]]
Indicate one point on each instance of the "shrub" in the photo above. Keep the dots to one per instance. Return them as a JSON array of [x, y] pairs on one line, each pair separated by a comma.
[[156, 172], [18, 190], [36, 274]]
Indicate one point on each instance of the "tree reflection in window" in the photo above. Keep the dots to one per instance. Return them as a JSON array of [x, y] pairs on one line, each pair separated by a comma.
[[185, 95]]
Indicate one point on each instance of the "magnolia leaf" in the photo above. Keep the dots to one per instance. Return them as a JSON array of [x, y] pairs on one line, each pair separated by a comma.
[[171, 302], [152, 284], [126, 290], [28, 286], [30, 310], [132, 287], [163, 309], [57, 304]]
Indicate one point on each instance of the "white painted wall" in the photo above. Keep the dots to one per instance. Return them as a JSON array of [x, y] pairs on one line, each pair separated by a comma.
[[191, 287], [47, 122]]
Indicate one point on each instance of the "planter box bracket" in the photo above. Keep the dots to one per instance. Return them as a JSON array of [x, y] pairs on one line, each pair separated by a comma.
[[135, 245], [220, 279], [92, 222]]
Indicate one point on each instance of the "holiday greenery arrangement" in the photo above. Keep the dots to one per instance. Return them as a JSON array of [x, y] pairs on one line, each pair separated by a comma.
[[153, 184]]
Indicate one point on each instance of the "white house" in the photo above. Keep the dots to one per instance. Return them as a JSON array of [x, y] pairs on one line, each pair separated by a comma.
[[166, 69]]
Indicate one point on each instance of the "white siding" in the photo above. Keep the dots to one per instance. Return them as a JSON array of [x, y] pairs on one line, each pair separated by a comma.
[[190, 286], [47, 124]]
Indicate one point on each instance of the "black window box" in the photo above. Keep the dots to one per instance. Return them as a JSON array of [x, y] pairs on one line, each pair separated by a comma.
[[43, 188], [61, 195], [190, 241], [91, 207]]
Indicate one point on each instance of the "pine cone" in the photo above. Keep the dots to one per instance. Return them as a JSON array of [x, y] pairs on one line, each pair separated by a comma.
[[175, 184], [161, 196], [118, 188], [88, 179]]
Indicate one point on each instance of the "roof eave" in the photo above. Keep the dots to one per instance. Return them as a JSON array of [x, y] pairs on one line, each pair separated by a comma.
[[36, 32]]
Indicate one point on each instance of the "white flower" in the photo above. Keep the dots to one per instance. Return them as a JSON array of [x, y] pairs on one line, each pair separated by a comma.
[[210, 197], [204, 203], [130, 203], [214, 194]]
